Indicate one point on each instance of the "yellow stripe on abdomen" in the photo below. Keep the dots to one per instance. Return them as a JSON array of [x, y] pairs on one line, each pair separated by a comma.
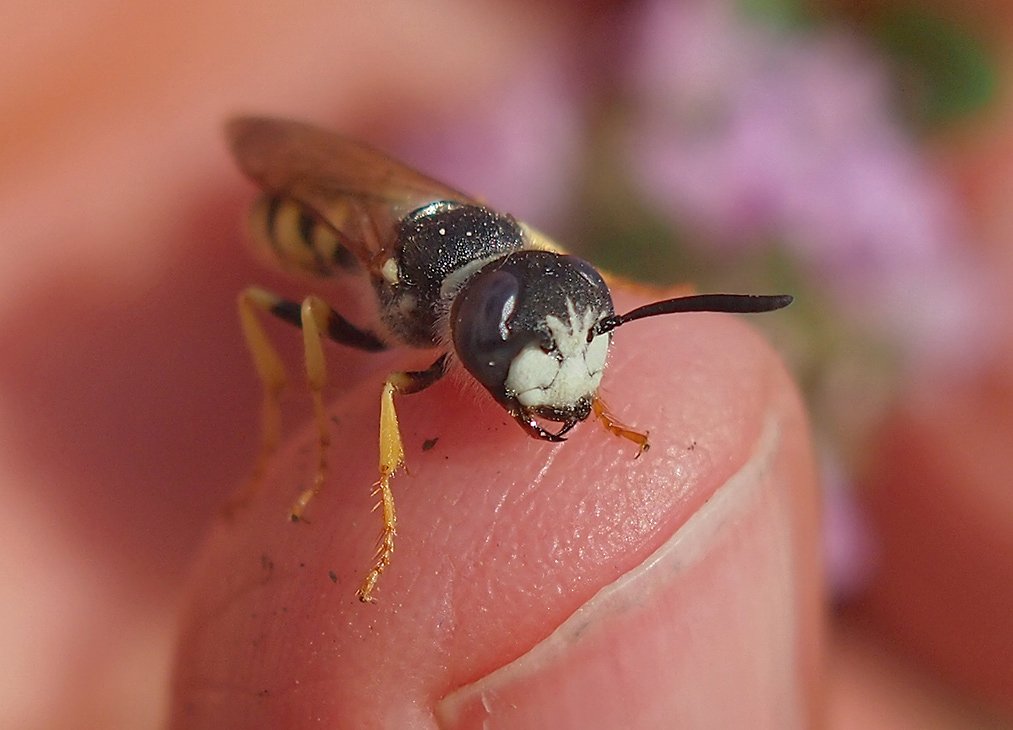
[[294, 239]]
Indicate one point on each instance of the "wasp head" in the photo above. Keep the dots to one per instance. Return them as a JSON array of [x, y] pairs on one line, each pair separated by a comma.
[[524, 327]]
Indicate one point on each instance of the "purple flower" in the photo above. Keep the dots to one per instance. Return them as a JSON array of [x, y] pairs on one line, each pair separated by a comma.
[[518, 149], [850, 551], [745, 135]]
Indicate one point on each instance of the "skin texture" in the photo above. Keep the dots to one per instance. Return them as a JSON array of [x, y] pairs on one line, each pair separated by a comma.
[[704, 547]]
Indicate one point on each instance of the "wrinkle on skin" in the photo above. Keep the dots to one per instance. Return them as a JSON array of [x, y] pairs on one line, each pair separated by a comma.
[[590, 623]]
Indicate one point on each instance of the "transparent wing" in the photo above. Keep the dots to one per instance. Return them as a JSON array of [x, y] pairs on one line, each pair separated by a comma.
[[357, 190]]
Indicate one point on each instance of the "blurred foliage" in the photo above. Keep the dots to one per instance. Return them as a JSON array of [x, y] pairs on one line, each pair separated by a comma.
[[834, 105], [946, 72], [780, 13]]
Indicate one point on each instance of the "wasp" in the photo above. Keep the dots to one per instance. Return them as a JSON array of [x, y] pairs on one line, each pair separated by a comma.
[[439, 271]]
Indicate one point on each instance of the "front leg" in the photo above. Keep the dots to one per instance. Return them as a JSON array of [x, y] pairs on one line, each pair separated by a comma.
[[616, 428]]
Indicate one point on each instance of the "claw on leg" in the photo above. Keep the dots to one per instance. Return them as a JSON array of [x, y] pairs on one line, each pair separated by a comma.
[[616, 428], [385, 546]]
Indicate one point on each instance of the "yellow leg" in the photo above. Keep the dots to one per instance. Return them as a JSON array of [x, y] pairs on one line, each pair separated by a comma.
[[317, 320], [271, 373], [392, 459], [616, 428], [314, 315]]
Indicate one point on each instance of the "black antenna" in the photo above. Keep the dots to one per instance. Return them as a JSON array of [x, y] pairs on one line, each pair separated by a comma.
[[734, 303]]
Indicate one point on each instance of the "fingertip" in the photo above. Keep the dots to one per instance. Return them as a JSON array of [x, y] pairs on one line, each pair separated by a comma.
[[720, 624], [505, 542]]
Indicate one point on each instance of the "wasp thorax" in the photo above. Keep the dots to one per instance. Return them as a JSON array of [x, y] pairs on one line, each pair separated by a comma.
[[437, 246], [520, 326]]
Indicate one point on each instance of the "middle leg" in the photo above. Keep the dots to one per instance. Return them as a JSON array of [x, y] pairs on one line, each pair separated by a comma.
[[391, 459], [317, 319]]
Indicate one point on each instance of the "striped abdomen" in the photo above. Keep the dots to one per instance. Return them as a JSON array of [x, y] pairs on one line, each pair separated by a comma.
[[297, 240]]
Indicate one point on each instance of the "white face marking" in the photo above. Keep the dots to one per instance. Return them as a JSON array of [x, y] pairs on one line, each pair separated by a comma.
[[389, 271], [539, 378]]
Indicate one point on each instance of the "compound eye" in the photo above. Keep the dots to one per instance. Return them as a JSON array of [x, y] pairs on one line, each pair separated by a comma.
[[481, 321], [588, 272]]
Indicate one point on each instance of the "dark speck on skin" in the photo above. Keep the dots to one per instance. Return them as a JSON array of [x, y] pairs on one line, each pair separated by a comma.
[[333, 576], [430, 443]]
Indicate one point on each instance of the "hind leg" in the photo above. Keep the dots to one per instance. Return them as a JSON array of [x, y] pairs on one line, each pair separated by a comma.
[[317, 319]]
